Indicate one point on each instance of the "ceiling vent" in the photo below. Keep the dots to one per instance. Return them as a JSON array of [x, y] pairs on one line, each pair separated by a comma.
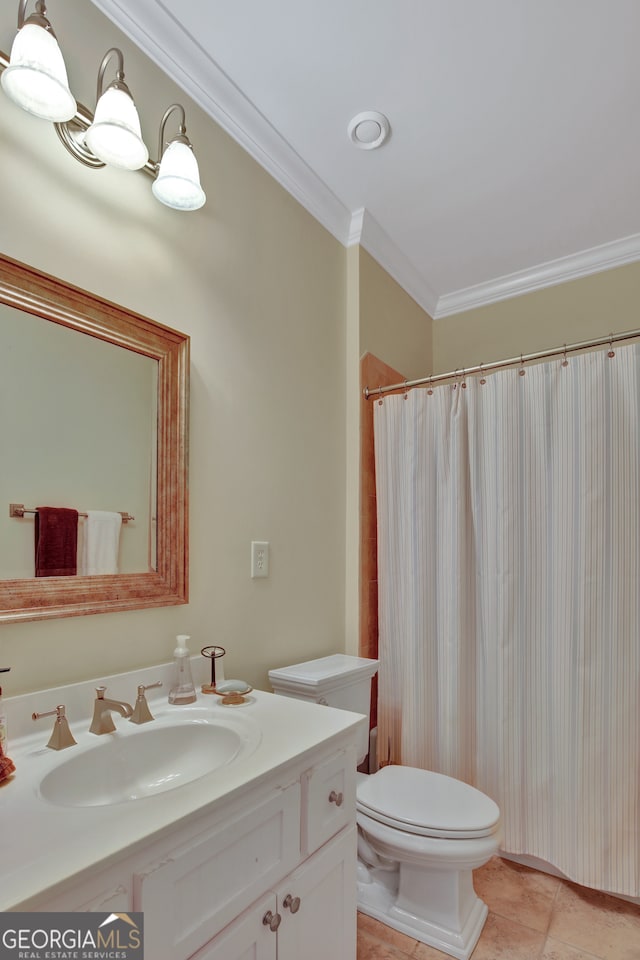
[[369, 130]]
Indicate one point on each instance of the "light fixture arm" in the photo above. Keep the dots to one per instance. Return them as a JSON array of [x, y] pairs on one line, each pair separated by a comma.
[[118, 83], [182, 129], [39, 18]]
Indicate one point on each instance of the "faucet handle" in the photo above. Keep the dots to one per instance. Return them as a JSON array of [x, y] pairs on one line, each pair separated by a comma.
[[141, 712], [61, 736]]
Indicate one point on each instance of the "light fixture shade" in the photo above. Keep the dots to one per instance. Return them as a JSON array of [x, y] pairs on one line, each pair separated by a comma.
[[36, 78], [115, 136], [178, 182]]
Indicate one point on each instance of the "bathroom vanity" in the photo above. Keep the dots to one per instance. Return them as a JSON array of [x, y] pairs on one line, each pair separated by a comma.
[[254, 857]]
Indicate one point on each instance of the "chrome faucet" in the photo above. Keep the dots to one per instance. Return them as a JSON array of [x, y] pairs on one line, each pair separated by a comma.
[[102, 720]]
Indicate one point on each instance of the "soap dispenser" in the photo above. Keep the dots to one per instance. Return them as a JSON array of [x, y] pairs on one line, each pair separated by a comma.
[[183, 689]]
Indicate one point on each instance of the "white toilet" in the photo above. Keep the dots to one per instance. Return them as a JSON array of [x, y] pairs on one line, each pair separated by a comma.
[[420, 834]]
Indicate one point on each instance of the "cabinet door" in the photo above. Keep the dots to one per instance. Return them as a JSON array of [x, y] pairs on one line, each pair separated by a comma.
[[317, 903], [247, 938]]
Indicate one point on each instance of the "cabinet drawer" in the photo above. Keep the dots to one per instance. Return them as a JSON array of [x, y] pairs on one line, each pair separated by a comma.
[[113, 898], [196, 889], [328, 799]]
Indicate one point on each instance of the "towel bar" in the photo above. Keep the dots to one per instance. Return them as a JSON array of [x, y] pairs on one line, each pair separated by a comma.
[[19, 510]]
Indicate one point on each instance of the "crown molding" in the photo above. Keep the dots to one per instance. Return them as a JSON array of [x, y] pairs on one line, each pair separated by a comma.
[[366, 231], [163, 39], [156, 32], [617, 253], [356, 227]]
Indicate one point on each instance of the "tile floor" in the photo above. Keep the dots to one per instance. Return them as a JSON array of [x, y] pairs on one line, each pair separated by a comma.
[[532, 916]]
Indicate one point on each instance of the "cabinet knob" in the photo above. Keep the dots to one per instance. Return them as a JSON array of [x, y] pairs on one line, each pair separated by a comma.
[[336, 798], [272, 920], [291, 903]]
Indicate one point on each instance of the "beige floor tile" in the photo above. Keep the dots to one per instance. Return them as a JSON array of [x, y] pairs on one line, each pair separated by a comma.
[[387, 934], [554, 950], [370, 948], [516, 892], [503, 939], [600, 924], [370, 930], [423, 952]]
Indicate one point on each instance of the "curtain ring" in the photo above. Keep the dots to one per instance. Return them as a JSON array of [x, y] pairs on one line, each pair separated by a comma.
[[482, 377], [464, 379], [521, 371], [380, 395], [430, 390], [454, 386], [406, 390], [565, 362], [611, 352]]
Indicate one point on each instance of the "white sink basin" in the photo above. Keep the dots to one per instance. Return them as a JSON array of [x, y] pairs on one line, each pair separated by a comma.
[[149, 760]]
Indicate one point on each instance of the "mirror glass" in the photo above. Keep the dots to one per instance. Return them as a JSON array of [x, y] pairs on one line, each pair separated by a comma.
[[93, 416], [79, 416]]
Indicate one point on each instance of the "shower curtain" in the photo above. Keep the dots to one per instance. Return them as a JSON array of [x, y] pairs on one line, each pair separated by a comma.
[[509, 601]]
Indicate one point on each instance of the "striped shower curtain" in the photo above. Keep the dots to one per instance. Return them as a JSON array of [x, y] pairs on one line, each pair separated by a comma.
[[509, 601]]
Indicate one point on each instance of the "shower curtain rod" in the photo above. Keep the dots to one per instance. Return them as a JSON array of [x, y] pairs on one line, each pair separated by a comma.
[[482, 368]]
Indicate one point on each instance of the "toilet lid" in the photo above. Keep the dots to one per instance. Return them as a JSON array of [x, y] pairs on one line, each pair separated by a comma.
[[426, 803]]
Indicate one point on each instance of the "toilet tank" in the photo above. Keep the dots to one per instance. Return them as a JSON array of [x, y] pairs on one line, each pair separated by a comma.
[[337, 681]]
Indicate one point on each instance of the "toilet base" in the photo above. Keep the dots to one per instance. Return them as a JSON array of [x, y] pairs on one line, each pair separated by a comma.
[[446, 914]]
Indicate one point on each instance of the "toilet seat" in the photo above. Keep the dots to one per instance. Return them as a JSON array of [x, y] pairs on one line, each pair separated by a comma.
[[427, 804]]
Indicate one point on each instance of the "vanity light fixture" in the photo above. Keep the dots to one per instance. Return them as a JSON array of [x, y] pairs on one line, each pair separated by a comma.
[[115, 136], [36, 78], [178, 181]]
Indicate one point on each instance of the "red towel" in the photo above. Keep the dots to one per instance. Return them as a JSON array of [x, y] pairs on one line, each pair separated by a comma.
[[56, 531]]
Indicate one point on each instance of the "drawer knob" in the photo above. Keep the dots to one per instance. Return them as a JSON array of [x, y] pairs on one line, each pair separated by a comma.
[[291, 903], [272, 920], [336, 798]]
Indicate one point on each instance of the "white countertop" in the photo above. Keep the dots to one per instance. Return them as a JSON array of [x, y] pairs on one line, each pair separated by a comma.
[[43, 844]]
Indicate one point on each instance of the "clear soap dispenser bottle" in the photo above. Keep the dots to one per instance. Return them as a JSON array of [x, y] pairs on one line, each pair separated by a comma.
[[3, 719], [183, 690]]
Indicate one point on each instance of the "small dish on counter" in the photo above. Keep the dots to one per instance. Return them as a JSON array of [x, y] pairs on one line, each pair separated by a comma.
[[233, 692]]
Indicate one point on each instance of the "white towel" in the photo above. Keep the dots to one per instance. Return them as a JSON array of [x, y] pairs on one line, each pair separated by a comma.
[[101, 543]]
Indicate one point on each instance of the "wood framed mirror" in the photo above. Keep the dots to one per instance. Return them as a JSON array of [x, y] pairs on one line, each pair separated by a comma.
[[160, 578]]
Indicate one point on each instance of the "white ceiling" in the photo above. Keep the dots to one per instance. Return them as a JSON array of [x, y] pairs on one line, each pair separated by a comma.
[[513, 160]]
